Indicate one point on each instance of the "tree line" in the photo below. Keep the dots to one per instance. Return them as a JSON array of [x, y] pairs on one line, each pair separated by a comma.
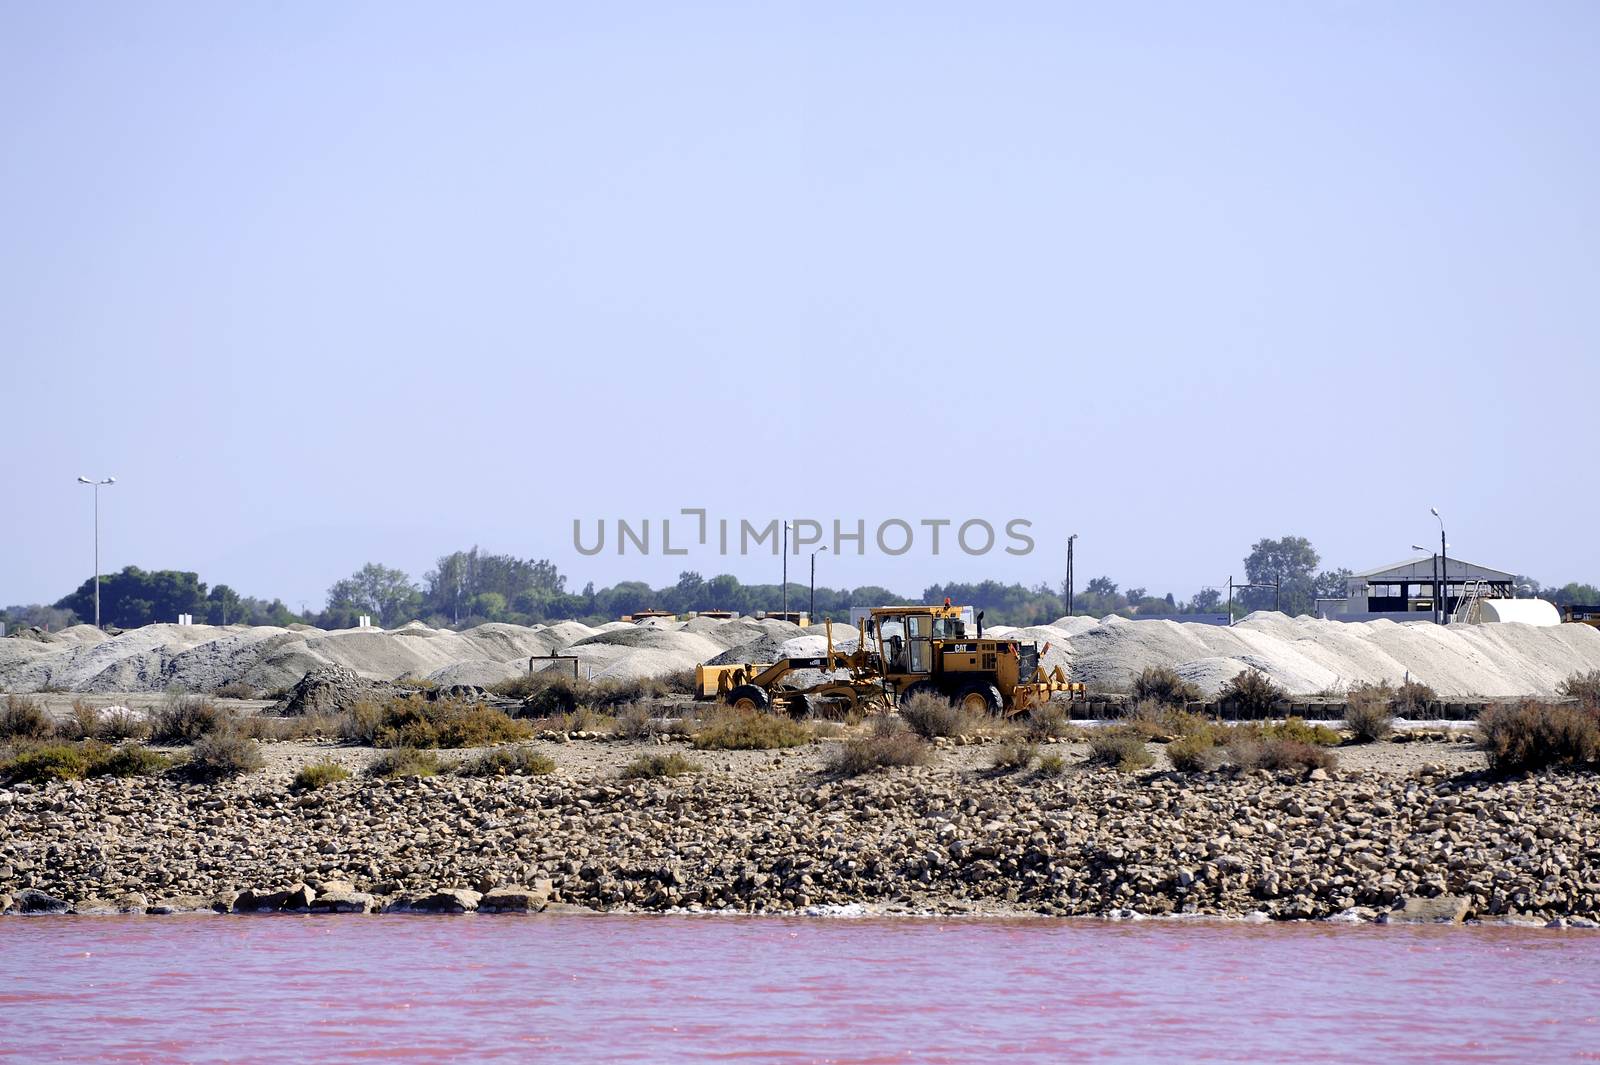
[[472, 587]]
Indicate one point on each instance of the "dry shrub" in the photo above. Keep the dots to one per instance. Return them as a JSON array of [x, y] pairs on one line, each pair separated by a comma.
[[636, 721], [223, 753], [83, 723], [1584, 687], [1013, 752], [1164, 686], [551, 692], [1051, 721], [1251, 694], [1532, 735], [234, 689], [655, 766], [731, 730], [1295, 730], [888, 742], [404, 762], [1195, 753], [1050, 765], [1155, 722], [129, 760], [1250, 750], [43, 762], [508, 762], [186, 718], [1413, 698], [416, 721], [1368, 714], [930, 714], [120, 723], [1119, 750], [319, 774], [23, 718]]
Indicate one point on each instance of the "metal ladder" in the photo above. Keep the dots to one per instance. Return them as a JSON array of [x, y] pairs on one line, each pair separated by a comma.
[[1467, 609]]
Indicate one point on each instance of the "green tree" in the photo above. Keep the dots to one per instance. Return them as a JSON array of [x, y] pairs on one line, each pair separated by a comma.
[[387, 595], [225, 607], [135, 597], [1290, 562]]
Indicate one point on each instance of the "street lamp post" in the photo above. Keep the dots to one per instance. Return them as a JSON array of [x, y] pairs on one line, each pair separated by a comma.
[[785, 570], [1070, 540], [96, 485], [1444, 571], [1435, 557], [814, 555]]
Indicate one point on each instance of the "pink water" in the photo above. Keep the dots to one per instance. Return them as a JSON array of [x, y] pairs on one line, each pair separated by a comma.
[[651, 989]]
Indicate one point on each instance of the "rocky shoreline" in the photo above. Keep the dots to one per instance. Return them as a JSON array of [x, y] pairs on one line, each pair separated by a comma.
[[773, 834]]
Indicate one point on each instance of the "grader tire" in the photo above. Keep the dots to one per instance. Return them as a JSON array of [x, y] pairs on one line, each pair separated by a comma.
[[749, 697], [980, 699]]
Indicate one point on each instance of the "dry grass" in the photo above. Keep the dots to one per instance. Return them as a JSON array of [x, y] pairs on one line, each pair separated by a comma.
[[1013, 753], [1119, 750], [319, 774], [888, 743], [731, 730], [508, 762], [1250, 751], [656, 766], [403, 762], [1194, 754], [416, 721], [1050, 765]]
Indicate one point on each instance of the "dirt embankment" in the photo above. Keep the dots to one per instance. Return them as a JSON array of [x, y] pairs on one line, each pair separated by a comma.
[[1396, 828]]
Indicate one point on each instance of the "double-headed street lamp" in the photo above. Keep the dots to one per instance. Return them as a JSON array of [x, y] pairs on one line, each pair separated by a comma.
[[96, 485], [814, 555]]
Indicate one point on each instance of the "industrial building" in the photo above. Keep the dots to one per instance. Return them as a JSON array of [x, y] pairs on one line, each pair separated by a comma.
[[1407, 589]]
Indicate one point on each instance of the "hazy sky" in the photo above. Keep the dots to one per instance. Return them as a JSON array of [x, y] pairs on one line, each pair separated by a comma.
[[328, 283]]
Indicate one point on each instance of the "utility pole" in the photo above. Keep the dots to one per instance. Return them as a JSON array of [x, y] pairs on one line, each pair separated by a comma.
[[97, 485], [786, 571], [1444, 572], [1070, 539]]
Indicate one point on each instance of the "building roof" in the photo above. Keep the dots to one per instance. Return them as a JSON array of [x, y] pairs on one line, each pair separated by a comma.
[[1421, 569]]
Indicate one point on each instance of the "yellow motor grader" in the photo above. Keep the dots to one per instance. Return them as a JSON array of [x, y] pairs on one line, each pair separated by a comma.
[[900, 651]]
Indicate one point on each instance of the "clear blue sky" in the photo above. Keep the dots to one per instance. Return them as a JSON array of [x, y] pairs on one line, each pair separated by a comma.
[[324, 283]]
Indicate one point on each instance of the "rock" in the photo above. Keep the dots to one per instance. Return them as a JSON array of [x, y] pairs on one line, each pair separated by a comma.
[[328, 690], [30, 900], [181, 904], [514, 899], [447, 900], [6, 903], [343, 902], [1441, 909], [293, 899]]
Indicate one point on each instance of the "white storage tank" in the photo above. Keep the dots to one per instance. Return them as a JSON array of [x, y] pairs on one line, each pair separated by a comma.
[[1524, 611]]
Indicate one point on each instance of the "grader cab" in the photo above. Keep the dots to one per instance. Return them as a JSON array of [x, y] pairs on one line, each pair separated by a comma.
[[900, 651]]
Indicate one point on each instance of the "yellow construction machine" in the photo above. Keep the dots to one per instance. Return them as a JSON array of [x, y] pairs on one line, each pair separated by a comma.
[[900, 651]]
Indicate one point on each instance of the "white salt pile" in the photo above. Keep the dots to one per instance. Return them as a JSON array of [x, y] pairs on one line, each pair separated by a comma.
[[1303, 655]]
